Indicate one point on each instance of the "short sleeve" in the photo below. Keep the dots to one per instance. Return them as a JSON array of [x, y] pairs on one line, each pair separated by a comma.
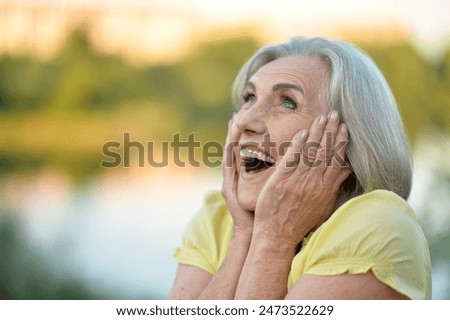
[[377, 231], [206, 238]]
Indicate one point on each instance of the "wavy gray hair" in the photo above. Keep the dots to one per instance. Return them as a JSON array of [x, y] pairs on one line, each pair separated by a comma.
[[378, 150]]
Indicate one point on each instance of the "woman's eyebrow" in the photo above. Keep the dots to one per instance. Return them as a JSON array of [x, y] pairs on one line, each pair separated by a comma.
[[251, 85], [280, 86]]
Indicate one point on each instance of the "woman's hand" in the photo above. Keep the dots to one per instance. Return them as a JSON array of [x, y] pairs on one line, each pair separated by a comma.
[[243, 219], [302, 192]]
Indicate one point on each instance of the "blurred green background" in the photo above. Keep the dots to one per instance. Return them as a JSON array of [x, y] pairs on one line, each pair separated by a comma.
[[70, 229]]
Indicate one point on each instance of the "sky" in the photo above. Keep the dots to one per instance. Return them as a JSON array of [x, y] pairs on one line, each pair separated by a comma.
[[428, 20]]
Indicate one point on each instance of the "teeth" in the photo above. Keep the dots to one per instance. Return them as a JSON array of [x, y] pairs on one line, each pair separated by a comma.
[[246, 153], [256, 154], [260, 156], [264, 157]]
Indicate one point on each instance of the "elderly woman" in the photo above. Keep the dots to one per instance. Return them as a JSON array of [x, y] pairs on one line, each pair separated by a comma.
[[316, 177]]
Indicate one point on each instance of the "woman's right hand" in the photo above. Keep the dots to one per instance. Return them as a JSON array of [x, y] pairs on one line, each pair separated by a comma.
[[243, 219], [302, 192]]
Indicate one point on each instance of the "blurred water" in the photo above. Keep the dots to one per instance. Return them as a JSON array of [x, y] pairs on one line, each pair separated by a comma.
[[118, 232]]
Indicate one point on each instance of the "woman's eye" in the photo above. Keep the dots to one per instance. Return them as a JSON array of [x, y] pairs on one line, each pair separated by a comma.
[[248, 98], [289, 103]]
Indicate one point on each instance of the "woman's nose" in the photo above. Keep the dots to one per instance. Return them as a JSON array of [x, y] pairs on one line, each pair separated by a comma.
[[250, 122]]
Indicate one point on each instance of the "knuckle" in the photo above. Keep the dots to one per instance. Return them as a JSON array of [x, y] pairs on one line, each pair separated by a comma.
[[296, 144], [322, 154]]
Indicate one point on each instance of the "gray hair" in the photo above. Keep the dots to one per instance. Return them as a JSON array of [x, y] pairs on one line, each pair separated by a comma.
[[378, 150]]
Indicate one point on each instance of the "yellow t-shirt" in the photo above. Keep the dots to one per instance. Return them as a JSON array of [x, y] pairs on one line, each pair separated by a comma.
[[377, 231]]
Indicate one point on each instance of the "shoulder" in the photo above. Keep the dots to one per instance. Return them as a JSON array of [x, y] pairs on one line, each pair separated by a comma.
[[214, 198], [206, 238], [381, 211], [376, 201], [212, 220], [376, 232], [213, 213], [377, 223]]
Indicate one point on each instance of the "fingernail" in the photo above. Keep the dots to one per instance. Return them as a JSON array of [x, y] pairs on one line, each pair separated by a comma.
[[304, 132], [322, 119], [334, 115], [344, 127]]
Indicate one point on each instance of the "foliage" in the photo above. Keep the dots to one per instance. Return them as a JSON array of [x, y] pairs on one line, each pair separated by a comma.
[[95, 97], [422, 89]]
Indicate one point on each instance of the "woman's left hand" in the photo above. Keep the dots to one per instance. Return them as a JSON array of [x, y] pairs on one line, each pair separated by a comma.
[[302, 192], [242, 219]]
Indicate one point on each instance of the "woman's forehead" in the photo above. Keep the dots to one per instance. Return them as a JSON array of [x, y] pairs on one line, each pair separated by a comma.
[[293, 68]]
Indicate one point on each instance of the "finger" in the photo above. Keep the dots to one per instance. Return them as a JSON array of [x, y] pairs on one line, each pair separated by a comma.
[[325, 153], [338, 179], [229, 163], [231, 144], [292, 157], [343, 174], [229, 172], [338, 162], [230, 124], [312, 144], [228, 160], [233, 129], [341, 144]]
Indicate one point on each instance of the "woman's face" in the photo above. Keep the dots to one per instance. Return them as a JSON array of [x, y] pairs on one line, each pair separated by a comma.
[[282, 98]]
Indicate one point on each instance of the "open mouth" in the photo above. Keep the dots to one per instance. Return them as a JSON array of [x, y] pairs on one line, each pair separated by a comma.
[[255, 160]]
